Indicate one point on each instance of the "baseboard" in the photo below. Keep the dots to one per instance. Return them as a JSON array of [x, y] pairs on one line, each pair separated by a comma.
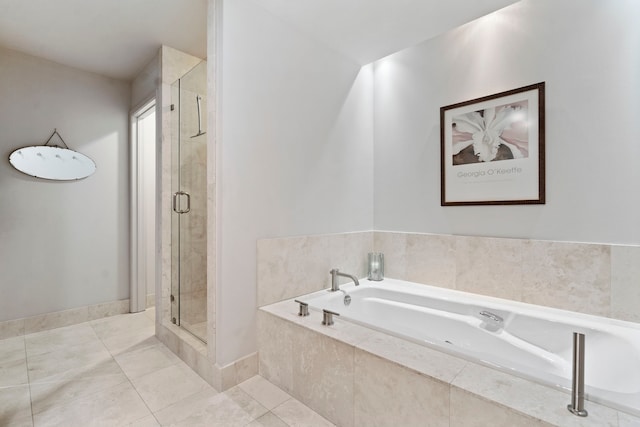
[[58, 319]]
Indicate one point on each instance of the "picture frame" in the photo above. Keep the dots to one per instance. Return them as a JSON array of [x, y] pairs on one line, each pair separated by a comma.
[[492, 149]]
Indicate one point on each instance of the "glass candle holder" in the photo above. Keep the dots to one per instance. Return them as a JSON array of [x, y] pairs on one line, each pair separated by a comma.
[[376, 266]]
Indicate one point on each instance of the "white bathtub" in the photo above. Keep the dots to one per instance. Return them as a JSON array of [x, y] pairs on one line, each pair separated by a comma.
[[533, 342]]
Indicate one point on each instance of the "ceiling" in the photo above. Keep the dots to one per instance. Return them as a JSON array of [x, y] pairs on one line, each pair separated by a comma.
[[116, 38], [367, 30]]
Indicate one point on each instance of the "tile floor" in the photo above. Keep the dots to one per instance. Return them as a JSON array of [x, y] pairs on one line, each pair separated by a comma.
[[114, 372]]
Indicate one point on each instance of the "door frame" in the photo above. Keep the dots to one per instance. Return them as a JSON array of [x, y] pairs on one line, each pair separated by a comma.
[[140, 242]]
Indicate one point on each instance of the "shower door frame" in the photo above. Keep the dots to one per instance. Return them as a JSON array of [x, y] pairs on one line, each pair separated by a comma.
[[180, 194]]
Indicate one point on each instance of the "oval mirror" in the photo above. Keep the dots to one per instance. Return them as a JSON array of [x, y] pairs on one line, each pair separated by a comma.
[[50, 162]]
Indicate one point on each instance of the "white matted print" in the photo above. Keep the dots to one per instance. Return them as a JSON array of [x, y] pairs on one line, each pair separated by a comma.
[[492, 149]]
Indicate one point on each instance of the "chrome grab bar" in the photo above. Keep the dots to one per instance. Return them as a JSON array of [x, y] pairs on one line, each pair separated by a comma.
[[577, 381], [175, 202]]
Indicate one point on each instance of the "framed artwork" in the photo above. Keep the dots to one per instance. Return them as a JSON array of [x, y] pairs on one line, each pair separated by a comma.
[[492, 149]]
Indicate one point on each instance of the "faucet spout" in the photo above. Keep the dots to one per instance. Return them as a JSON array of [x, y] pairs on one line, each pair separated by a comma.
[[334, 279]]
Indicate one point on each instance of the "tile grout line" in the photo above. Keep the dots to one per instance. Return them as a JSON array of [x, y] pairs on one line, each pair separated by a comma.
[[127, 377], [26, 361]]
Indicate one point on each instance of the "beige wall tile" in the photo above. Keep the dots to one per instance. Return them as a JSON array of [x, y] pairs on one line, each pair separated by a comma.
[[431, 259], [625, 283], [386, 394], [394, 248], [570, 276], [489, 266], [289, 267], [275, 350], [323, 375]]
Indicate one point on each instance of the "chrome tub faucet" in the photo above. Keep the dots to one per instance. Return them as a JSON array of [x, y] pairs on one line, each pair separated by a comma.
[[334, 279]]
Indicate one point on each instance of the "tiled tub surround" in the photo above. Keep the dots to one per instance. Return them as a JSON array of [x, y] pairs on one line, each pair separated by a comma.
[[292, 266], [337, 370], [355, 376], [598, 279], [529, 341]]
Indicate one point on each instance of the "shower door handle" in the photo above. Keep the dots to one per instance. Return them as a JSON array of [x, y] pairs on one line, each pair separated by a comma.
[[175, 202]]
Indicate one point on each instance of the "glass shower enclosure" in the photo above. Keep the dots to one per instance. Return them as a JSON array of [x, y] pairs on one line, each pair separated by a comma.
[[189, 202]]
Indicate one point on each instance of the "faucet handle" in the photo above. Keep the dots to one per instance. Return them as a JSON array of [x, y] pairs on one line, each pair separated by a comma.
[[304, 308], [327, 316]]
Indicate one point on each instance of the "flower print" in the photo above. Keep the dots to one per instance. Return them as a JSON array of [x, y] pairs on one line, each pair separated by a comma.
[[486, 129]]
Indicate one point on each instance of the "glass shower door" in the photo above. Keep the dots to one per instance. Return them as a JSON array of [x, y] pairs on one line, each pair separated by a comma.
[[189, 203]]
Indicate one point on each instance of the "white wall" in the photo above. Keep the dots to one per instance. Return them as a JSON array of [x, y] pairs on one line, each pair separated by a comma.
[[295, 154], [146, 83], [62, 244], [588, 53]]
